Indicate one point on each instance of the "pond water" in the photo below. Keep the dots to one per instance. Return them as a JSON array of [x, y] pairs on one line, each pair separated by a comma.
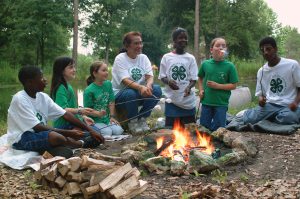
[[7, 91]]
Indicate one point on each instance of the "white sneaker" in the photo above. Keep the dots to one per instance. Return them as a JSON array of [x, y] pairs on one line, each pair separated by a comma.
[[143, 124], [134, 126]]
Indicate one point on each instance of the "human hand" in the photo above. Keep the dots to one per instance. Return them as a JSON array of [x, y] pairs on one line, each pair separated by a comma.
[[262, 101], [89, 121], [187, 91], [145, 91], [201, 94], [212, 84], [87, 111], [173, 84], [293, 106], [97, 136], [114, 121]]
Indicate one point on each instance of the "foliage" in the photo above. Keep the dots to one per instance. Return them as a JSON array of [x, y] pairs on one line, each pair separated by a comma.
[[34, 32], [219, 176]]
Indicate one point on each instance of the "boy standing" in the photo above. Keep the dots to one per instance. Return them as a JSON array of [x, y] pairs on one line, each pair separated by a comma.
[[29, 112]]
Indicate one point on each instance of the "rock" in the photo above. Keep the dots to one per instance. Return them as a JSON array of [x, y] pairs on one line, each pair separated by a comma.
[[201, 162], [158, 164], [177, 167], [131, 156], [246, 144], [232, 158]]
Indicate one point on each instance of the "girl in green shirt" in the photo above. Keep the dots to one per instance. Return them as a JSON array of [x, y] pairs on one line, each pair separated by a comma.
[[99, 95]]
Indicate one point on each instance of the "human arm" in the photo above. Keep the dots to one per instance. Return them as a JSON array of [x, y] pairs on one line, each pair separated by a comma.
[[187, 90], [144, 90], [294, 105], [200, 85], [112, 111], [76, 122], [215, 85]]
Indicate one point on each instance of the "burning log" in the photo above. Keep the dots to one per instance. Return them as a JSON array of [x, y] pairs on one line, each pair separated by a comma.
[[163, 147]]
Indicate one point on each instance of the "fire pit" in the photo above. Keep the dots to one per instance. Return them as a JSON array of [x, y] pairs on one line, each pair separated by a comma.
[[188, 149]]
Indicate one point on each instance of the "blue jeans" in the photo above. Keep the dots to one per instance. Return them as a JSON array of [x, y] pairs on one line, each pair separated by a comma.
[[273, 112], [130, 99], [213, 117]]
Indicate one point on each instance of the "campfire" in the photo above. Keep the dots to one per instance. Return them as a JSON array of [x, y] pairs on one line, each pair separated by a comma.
[[182, 142]]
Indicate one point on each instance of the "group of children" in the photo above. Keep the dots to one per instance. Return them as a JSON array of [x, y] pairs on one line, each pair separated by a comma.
[[87, 126]]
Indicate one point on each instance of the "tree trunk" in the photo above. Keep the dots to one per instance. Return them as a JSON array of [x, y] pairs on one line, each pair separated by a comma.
[[106, 52], [75, 31], [196, 31]]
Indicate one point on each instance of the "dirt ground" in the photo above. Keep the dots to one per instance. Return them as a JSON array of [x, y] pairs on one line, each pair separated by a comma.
[[273, 173]]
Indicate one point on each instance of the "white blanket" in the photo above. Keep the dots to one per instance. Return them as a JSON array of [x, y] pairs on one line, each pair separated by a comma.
[[18, 159]]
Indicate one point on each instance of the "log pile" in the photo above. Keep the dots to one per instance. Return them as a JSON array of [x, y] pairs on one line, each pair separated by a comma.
[[93, 178]]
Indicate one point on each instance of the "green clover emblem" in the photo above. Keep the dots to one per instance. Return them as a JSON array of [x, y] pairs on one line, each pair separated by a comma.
[[136, 74], [39, 117], [178, 73], [276, 85]]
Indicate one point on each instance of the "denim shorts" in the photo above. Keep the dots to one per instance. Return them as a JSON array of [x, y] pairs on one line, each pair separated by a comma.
[[31, 141]]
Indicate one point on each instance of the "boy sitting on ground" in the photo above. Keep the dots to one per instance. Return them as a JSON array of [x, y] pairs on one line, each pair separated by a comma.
[[28, 114]]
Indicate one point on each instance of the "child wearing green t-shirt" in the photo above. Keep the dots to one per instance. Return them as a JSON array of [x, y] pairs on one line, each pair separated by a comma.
[[99, 95], [63, 94], [217, 77]]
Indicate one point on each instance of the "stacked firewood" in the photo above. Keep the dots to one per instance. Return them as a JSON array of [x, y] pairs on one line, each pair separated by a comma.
[[94, 178]]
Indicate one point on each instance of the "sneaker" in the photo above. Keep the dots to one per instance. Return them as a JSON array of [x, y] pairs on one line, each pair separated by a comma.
[[143, 124], [90, 142], [134, 126]]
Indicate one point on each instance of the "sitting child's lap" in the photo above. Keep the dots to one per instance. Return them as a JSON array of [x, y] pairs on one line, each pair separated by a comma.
[[31, 141]]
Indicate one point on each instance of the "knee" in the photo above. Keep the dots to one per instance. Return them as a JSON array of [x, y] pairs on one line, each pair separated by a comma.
[[117, 130], [106, 131], [56, 139]]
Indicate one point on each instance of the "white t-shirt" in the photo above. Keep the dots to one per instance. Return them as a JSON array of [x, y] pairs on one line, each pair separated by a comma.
[[279, 83], [26, 112], [134, 69], [182, 69]]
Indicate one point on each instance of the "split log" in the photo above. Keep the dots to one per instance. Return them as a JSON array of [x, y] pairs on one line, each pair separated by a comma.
[[114, 178], [86, 175], [99, 167], [46, 162], [88, 190], [143, 185], [124, 187], [60, 181], [75, 163], [86, 162], [63, 167], [106, 157], [74, 176], [64, 190], [134, 171], [47, 155], [51, 173], [97, 177], [73, 188]]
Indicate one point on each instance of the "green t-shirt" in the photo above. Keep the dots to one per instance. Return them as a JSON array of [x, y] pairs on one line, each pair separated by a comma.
[[98, 98], [222, 72], [65, 98]]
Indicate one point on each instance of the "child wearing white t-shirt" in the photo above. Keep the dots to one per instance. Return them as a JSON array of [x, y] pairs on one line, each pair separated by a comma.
[[178, 71]]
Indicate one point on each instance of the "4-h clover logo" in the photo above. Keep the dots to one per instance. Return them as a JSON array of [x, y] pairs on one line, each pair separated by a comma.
[[136, 74], [39, 117], [178, 73], [276, 85]]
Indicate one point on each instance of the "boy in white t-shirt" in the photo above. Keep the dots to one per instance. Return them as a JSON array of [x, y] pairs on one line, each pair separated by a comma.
[[278, 88], [29, 111]]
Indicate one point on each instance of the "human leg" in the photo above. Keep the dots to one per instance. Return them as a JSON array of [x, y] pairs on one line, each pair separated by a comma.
[[219, 117], [286, 116], [104, 129], [259, 113], [206, 116], [149, 103], [116, 129], [127, 100]]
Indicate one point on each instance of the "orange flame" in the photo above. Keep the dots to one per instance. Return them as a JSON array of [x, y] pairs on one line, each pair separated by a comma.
[[183, 143]]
